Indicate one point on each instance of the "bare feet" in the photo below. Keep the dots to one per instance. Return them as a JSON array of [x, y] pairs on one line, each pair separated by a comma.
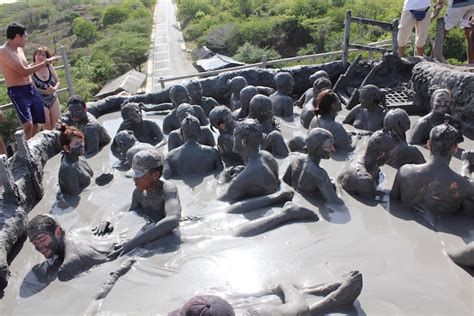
[[463, 257], [284, 195], [292, 211]]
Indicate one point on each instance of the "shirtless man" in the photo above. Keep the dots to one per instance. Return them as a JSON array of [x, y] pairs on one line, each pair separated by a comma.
[[433, 186], [145, 131], [441, 101], [361, 175], [307, 113], [14, 67], [282, 102], [96, 136], [304, 173], [260, 174], [125, 145], [191, 157], [195, 92], [66, 257]]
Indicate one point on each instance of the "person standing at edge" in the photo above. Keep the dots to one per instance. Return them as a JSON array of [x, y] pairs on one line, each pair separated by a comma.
[[458, 12], [415, 14], [14, 67]]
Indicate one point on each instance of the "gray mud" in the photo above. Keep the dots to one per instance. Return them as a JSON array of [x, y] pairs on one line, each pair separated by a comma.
[[405, 269]]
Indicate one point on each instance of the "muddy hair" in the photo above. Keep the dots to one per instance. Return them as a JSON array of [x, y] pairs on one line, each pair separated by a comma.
[[324, 102], [42, 49], [41, 224], [67, 133]]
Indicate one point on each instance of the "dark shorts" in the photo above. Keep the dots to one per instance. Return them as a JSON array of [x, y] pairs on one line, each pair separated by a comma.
[[28, 103]]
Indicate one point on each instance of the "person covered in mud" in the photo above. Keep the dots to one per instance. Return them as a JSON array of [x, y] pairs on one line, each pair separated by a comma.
[[397, 122], [125, 145], [195, 92], [259, 176], [153, 198], [307, 113], [336, 295], [282, 103], [179, 95], [304, 173], [224, 121], [67, 257], [272, 141], [326, 107], [434, 186], [246, 94], [369, 114], [360, 177], [308, 94], [441, 101], [74, 172], [236, 84], [176, 138], [145, 131], [191, 158], [95, 134]]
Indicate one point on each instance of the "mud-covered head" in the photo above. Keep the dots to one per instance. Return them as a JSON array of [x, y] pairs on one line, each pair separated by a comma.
[[77, 108], [195, 90], [248, 133], [236, 84], [179, 94], [45, 234], [71, 140], [444, 140], [380, 147], [132, 112], [123, 141], [318, 74], [183, 110], [205, 305], [147, 167], [397, 122], [327, 102], [371, 95], [190, 127], [284, 82], [320, 84], [246, 94], [221, 118], [261, 108], [441, 101], [320, 143]]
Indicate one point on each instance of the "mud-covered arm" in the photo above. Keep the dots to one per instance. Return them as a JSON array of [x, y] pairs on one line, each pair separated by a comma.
[[236, 189], [350, 118], [91, 141], [420, 134], [327, 190], [395, 193], [156, 131], [288, 174], [171, 221], [158, 107]]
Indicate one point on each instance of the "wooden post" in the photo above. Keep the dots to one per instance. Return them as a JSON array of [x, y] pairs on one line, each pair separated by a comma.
[[439, 41], [347, 33], [162, 82], [264, 61], [70, 86], [395, 37]]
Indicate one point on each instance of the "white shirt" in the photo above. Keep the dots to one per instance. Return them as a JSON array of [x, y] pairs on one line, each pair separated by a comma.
[[416, 4]]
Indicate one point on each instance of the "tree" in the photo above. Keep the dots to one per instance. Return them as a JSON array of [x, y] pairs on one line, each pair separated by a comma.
[[114, 14], [85, 30]]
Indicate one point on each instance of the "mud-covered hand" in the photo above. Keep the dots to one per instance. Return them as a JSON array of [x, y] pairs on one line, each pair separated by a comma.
[[105, 227], [104, 178]]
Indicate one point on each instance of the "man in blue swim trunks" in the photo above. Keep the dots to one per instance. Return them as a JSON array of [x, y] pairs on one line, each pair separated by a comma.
[[17, 73]]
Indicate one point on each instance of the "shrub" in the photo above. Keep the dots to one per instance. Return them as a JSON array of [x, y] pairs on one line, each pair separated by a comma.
[[250, 54]]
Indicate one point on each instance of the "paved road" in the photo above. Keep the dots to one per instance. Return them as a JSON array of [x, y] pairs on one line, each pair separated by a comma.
[[168, 57]]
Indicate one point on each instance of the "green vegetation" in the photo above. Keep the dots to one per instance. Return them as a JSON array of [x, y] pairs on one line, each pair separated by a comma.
[[242, 28], [103, 39]]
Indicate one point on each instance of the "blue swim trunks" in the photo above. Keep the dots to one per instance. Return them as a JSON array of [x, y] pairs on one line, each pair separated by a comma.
[[28, 103]]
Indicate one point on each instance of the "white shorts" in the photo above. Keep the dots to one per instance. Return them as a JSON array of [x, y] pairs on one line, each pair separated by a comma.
[[455, 16], [407, 23]]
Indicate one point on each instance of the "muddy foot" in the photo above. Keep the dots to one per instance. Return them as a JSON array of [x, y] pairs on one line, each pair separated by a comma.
[[349, 290], [464, 256], [284, 195], [297, 212]]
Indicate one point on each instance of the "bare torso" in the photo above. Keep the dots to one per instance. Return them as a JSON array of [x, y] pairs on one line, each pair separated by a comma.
[[11, 75]]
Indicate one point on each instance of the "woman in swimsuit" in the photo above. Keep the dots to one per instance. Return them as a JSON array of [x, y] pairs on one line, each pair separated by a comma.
[[47, 83]]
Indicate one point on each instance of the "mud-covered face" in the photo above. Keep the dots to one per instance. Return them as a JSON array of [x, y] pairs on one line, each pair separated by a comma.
[[239, 143], [135, 116], [195, 92], [77, 112], [287, 87], [441, 103], [327, 148], [145, 182], [46, 243], [181, 97], [228, 124], [76, 147], [366, 99]]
